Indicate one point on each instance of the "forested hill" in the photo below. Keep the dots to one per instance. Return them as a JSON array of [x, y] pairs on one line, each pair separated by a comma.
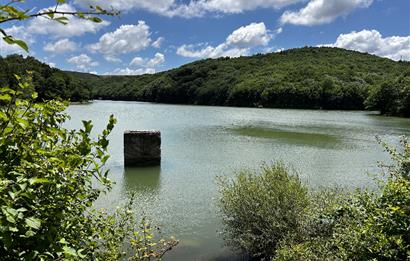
[[49, 82], [328, 78]]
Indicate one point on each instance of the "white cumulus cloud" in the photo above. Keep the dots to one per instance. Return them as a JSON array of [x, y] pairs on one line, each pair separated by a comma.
[[157, 43], [221, 50], [371, 41], [322, 11], [125, 39], [82, 62], [128, 71], [75, 26], [238, 43], [193, 8], [137, 61], [157, 60], [251, 35], [239, 6], [157, 6], [61, 46], [145, 65]]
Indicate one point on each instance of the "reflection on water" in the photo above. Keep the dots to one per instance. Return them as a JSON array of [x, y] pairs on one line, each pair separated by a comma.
[[199, 143], [137, 180], [290, 136]]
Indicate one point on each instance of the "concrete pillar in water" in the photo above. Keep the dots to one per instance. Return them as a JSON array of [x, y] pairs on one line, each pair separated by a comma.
[[142, 148]]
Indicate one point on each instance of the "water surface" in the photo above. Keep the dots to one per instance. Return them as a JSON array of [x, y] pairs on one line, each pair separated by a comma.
[[199, 143]]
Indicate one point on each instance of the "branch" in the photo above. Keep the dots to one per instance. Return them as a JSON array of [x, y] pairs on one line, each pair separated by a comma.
[[56, 12], [9, 13], [3, 32]]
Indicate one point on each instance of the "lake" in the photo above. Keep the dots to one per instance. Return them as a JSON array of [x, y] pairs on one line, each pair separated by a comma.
[[199, 143]]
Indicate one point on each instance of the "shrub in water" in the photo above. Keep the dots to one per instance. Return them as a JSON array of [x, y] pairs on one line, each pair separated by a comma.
[[259, 210], [368, 226]]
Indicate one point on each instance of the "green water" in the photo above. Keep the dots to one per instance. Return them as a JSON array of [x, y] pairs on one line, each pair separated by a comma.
[[199, 143]]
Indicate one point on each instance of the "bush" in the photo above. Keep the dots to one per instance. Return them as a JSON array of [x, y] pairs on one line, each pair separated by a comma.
[[258, 211], [273, 215], [49, 179], [368, 226]]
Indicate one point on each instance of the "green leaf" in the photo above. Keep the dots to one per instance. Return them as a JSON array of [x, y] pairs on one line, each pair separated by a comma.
[[12, 195], [5, 97], [22, 44], [80, 254], [13, 229], [10, 213], [23, 186], [33, 222], [29, 233], [95, 19], [3, 116], [20, 102], [38, 181], [61, 19], [87, 126], [69, 251], [10, 40], [22, 122]]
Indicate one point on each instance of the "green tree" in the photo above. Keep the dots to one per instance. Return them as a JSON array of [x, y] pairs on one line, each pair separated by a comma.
[[49, 179], [50, 176], [259, 210]]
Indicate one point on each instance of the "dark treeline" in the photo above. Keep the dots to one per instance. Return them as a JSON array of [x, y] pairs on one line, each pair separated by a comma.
[[309, 78], [49, 82], [327, 78]]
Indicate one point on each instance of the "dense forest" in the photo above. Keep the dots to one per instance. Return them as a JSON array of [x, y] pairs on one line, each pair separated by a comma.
[[310, 77], [49, 82]]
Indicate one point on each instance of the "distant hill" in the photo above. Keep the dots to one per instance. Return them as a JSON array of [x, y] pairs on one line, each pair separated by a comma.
[[49, 82], [310, 77]]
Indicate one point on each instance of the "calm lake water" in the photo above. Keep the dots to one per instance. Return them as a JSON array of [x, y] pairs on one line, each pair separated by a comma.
[[200, 143]]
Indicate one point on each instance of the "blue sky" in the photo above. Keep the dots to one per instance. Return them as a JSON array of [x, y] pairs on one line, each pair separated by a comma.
[[156, 35]]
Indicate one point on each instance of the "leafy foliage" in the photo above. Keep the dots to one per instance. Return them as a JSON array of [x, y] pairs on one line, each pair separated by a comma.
[[328, 78], [314, 78], [48, 174], [49, 179], [320, 225], [11, 12], [392, 97], [258, 211], [49, 82]]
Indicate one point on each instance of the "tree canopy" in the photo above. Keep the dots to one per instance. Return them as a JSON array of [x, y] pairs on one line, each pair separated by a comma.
[[305, 78], [312, 78]]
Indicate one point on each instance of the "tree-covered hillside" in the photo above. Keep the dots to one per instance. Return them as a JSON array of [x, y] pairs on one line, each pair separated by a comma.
[[327, 78], [310, 77], [49, 82]]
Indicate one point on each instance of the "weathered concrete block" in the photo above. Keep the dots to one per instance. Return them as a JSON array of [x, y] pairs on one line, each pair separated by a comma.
[[142, 148]]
